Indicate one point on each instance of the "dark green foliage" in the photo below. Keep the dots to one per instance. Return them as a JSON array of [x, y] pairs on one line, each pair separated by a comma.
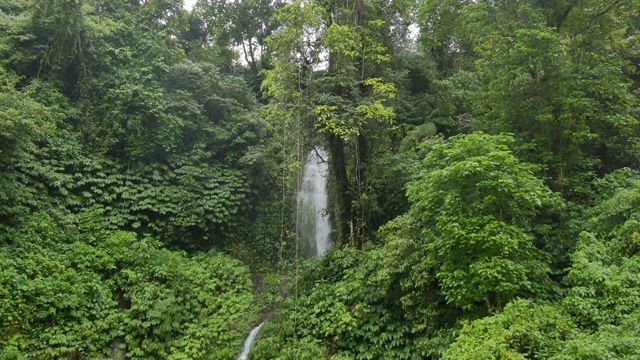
[[67, 295], [160, 146], [132, 149], [104, 127], [25, 120], [188, 206], [391, 175]]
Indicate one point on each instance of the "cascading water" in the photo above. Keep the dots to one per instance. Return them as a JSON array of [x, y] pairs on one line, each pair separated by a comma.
[[249, 342], [314, 227]]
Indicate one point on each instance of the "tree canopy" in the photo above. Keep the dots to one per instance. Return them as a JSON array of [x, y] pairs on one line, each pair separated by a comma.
[[483, 178]]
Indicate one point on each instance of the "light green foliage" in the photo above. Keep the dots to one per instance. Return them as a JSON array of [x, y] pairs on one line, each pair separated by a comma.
[[348, 102], [335, 111], [597, 318], [66, 295], [478, 204], [23, 119], [523, 330], [609, 342], [605, 287], [614, 216], [13, 18], [271, 345]]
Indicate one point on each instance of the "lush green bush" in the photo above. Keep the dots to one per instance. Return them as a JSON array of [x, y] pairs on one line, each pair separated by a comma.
[[598, 316], [523, 330], [65, 296], [480, 210], [354, 304]]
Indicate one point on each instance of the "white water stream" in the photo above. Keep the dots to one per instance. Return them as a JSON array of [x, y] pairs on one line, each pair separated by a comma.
[[249, 342], [314, 226]]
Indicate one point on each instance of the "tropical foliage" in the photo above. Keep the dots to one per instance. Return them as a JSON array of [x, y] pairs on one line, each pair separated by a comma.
[[483, 178]]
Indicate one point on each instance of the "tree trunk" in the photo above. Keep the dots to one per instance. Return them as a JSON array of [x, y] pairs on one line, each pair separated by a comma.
[[361, 214], [340, 197]]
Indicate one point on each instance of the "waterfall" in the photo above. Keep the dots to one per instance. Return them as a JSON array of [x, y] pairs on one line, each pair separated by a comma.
[[314, 227], [249, 343]]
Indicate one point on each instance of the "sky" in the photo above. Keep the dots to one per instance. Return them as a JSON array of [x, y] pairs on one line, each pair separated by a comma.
[[188, 4]]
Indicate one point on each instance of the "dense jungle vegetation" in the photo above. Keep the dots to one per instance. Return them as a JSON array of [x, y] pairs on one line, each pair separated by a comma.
[[484, 178]]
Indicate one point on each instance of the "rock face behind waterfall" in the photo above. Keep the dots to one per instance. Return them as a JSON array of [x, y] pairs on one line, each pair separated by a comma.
[[314, 226]]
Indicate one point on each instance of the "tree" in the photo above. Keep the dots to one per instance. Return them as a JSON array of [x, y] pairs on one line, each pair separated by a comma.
[[27, 116], [479, 207], [555, 75], [330, 77], [598, 316]]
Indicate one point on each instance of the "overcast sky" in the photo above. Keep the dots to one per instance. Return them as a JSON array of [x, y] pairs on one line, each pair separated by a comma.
[[188, 4]]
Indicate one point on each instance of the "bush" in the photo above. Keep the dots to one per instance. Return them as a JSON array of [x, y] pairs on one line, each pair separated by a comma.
[[70, 296]]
